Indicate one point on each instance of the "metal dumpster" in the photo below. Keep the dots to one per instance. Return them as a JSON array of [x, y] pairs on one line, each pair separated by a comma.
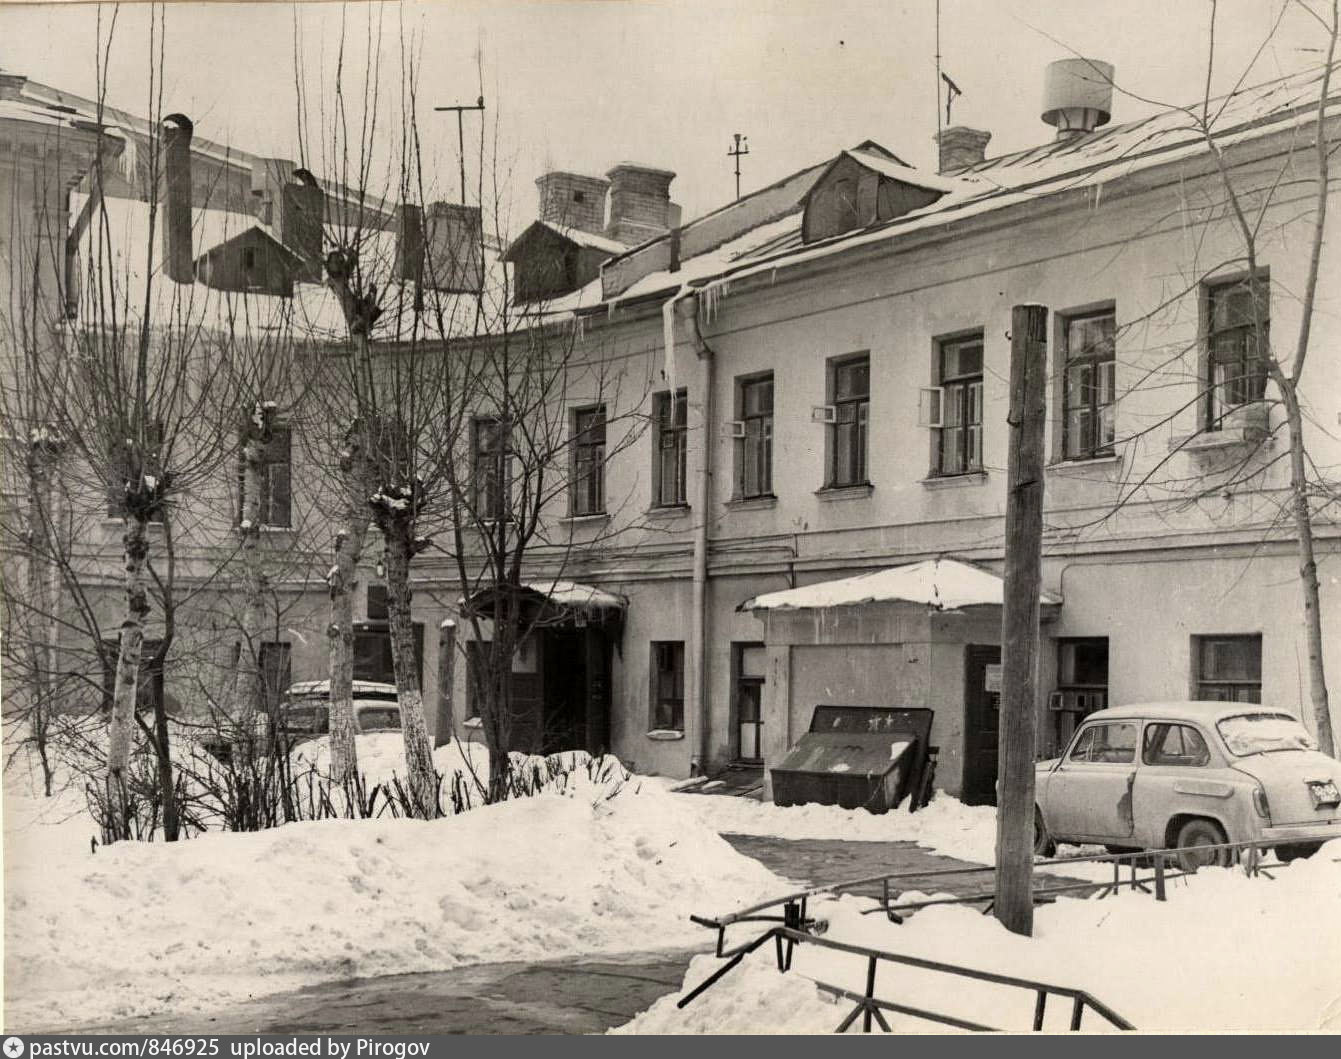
[[859, 757]]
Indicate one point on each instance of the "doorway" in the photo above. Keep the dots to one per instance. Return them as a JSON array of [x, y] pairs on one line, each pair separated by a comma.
[[982, 722]]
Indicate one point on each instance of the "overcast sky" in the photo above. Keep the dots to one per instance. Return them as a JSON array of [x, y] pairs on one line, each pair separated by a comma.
[[582, 85]]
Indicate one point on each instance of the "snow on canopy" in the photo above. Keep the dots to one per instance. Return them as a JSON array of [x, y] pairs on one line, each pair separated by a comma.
[[943, 584], [573, 594]]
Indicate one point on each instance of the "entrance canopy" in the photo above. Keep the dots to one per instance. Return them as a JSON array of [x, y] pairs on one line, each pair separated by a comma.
[[555, 602], [941, 584]]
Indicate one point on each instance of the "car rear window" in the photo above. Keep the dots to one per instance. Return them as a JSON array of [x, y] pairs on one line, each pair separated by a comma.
[[1107, 744], [379, 718], [313, 720], [1262, 733], [1174, 744]]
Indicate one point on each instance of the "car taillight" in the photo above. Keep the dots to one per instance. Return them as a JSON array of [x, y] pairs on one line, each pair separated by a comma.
[[1260, 803]]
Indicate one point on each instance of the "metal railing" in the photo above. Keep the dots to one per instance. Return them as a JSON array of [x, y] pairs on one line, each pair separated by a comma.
[[793, 927]]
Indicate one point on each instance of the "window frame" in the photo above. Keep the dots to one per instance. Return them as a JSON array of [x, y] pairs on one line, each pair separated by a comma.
[[1152, 726], [740, 682], [587, 494], [489, 494], [268, 489], [760, 460], [1258, 288], [674, 651], [1205, 685], [857, 441], [670, 420], [1092, 446], [962, 391], [1087, 729]]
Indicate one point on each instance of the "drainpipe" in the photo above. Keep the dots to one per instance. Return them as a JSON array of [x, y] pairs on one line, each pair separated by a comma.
[[698, 633]]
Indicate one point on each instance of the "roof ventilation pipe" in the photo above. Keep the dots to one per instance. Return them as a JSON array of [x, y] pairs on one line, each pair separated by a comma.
[[178, 262], [1077, 96]]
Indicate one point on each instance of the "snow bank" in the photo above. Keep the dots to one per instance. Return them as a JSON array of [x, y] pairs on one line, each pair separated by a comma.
[[139, 927], [1226, 952]]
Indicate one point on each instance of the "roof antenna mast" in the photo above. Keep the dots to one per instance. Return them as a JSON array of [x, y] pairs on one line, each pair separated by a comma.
[[938, 71], [742, 147]]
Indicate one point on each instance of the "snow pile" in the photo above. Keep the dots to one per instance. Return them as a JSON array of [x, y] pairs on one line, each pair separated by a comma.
[[1225, 952], [187, 926]]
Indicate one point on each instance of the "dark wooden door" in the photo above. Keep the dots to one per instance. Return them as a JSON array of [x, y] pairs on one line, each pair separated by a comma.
[[982, 717]]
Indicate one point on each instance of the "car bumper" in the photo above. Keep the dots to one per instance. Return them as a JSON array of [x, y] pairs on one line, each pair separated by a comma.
[[1322, 832]]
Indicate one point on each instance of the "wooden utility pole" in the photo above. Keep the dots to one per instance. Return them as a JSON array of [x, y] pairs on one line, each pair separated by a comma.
[[1019, 619]]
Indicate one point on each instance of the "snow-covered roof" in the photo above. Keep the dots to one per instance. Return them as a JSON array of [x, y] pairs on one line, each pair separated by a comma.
[[590, 240], [573, 594], [942, 584], [312, 314], [905, 174], [1088, 161]]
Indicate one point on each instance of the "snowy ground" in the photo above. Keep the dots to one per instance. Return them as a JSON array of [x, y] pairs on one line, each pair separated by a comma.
[[189, 927], [139, 927], [1224, 953]]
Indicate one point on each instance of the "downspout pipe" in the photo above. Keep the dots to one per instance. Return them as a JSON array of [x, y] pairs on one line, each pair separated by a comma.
[[699, 728]]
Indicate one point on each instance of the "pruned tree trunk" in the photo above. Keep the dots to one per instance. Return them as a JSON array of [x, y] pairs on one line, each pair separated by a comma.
[[43, 577], [126, 689], [399, 548], [1308, 574], [247, 690], [342, 581]]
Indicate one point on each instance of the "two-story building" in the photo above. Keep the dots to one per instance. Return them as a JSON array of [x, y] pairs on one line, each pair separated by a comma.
[[811, 510]]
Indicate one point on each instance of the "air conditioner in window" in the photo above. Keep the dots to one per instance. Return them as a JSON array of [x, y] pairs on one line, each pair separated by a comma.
[[930, 406], [824, 413], [734, 428]]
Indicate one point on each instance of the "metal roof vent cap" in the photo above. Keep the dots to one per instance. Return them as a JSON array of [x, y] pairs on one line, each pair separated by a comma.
[[1077, 95]]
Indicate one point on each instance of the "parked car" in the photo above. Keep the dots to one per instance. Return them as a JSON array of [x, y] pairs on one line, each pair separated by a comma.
[[305, 711], [1188, 775]]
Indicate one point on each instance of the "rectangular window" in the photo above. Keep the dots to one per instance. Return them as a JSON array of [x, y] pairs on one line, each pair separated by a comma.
[[754, 451], [588, 495], [491, 468], [747, 663], [1089, 390], [668, 685], [850, 386], [1229, 668], [123, 467], [276, 673], [672, 440], [276, 475], [149, 689], [378, 607], [959, 437], [477, 671], [1238, 338], [1106, 744]]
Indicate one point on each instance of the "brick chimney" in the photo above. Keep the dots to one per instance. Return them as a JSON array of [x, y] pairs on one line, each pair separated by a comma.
[[961, 147], [573, 200], [640, 205]]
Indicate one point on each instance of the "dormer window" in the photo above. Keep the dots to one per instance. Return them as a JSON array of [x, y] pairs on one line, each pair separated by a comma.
[[863, 187]]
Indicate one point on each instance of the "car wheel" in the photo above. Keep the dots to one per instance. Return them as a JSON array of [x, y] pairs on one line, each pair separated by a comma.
[[1196, 834], [1297, 851], [1044, 846]]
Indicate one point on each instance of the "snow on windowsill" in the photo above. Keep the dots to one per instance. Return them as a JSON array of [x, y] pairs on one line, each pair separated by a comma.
[[585, 520], [473, 723], [667, 511], [1062, 466], [845, 492], [751, 503], [949, 481], [665, 734], [1211, 440]]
